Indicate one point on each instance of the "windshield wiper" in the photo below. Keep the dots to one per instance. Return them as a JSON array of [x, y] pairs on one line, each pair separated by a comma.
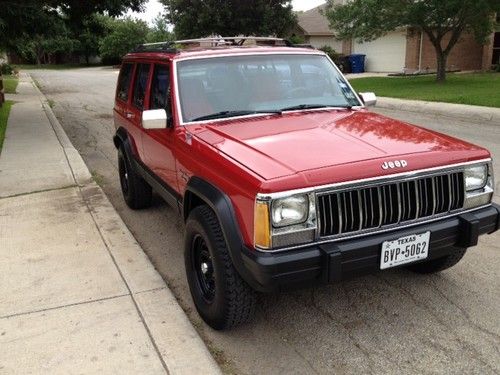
[[313, 106], [226, 114]]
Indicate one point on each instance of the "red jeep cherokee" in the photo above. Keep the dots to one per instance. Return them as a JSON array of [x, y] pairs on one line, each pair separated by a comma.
[[282, 175]]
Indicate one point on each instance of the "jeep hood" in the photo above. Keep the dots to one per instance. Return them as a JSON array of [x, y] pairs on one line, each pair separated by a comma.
[[277, 146]]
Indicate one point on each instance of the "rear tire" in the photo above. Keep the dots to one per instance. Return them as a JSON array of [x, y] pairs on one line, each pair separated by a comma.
[[223, 299], [136, 192], [440, 264]]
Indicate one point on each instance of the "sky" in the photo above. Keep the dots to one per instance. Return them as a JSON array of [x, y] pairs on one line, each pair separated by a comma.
[[153, 8]]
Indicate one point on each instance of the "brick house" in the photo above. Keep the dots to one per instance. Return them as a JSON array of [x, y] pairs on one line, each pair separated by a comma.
[[400, 50]]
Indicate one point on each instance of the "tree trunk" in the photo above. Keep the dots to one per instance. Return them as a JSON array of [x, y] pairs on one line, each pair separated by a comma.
[[39, 56], [442, 58]]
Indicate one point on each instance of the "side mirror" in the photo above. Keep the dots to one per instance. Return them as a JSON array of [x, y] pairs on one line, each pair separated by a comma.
[[369, 98], [155, 119]]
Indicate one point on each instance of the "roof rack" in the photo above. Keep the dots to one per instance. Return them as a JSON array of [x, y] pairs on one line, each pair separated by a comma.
[[168, 46], [217, 41], [234, 41]]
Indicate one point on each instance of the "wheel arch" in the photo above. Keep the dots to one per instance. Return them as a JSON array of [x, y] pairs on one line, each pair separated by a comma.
[[122, 138], [199, 192]]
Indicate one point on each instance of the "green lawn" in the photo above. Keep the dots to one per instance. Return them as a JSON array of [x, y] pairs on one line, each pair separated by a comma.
[[10, 84], [475, 88], [53, 66], [4, 115]]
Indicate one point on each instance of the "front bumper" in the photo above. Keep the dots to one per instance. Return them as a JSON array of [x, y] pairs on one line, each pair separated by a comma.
[[335, 261]]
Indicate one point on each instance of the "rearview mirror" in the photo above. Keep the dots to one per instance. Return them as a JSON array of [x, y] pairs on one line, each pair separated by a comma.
[[155, 119], [369, 98]]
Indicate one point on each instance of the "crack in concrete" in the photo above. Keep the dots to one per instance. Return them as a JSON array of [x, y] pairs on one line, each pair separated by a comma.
[[39, 191], [348, 330], [464, 312], [435, 315], [63, 306]]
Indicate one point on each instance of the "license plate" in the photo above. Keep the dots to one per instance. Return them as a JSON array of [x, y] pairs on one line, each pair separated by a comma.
[[405, 250]]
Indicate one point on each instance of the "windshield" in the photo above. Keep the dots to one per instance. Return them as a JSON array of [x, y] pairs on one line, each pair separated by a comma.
[[233, 86]]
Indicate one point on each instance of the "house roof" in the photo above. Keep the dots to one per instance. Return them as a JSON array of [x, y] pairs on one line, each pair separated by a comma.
[[315, 23]]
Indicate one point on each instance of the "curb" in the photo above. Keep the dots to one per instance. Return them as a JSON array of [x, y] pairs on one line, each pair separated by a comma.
[[457, 111], [178, 344]]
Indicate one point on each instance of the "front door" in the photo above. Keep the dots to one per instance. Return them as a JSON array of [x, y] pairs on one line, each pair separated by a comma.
[[158, 143]]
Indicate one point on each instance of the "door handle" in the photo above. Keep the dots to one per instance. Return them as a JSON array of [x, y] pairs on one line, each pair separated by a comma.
[[129, 115]]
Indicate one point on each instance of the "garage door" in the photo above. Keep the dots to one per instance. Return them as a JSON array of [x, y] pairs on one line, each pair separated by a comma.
[[386, 54]]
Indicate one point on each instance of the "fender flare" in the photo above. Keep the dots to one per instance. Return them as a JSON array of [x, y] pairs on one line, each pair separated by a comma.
[[220, 203], [121, 138]]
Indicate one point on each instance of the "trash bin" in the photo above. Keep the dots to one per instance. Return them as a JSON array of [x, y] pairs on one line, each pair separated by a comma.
[[357, 63], [345, 65]]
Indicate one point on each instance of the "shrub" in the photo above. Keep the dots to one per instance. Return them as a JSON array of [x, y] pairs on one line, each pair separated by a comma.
[[337, 58], [296, 39], [6, 69]]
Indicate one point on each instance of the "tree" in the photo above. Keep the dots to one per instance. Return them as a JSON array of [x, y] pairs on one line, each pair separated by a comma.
[[443, 21], [160, 32], [194, 19], [89, 35], [26, 19], [125, 34], [45, 33]]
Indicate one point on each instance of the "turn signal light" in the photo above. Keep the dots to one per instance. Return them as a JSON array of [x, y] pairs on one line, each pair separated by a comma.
[[262, 229]]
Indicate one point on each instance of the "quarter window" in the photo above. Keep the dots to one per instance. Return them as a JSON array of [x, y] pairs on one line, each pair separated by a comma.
[[141, 82], [124, 82]]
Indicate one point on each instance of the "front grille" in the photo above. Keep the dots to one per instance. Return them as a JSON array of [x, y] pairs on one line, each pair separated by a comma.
[[373, 207]]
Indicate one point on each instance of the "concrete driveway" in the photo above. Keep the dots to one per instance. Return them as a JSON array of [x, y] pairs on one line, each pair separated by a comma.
[[390, 323]]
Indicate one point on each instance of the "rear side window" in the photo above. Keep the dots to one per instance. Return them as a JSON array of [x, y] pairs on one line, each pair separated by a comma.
[[124, 82], [160, 88], [141, 82]]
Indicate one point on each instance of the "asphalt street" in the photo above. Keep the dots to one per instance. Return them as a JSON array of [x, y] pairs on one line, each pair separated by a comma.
[[390, 323]]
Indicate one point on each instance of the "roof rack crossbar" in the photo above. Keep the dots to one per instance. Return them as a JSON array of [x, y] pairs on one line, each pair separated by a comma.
[[167, 46], [217, 41]]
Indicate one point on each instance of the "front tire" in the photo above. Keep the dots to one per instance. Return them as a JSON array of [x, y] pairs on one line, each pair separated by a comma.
[[222, 298], [136, 192], [440, 264]]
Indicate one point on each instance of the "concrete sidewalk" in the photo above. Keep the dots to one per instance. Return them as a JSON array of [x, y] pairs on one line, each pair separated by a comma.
[[77, 293]]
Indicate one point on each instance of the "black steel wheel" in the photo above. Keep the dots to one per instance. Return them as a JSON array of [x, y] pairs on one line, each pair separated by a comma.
[[136, 192], [204, 268], [222, 298]]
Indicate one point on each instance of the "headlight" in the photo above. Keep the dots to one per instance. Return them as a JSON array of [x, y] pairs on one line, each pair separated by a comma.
[[289, 211], [478, 185], [476, 177], [282, 221]]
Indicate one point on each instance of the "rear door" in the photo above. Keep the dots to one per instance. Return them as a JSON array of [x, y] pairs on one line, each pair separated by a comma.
[[122, 100], [159, 143], [138, 104]]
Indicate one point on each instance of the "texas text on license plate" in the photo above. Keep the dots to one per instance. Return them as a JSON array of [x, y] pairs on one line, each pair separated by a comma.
[[405, 250]]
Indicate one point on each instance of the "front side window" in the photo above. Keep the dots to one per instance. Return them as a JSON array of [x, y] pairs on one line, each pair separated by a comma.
[[160, 88], [259, 83], [141, 82], [124, 82]]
